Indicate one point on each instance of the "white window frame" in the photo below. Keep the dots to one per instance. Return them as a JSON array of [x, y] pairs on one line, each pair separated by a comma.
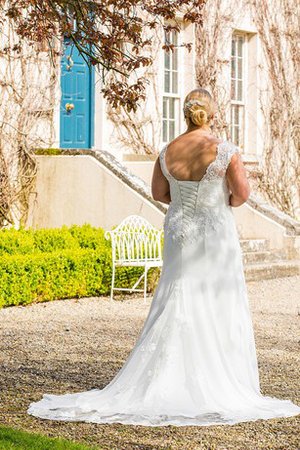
[[240, 104], [171, 95]]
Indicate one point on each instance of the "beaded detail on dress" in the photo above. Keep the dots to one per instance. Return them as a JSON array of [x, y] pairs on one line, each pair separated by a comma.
[[198, 208]]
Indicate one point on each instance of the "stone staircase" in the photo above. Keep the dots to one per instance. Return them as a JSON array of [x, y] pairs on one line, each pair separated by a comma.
[[260, 262]]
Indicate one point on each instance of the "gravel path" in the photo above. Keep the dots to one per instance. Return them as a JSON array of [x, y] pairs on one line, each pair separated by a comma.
[[76, 345]]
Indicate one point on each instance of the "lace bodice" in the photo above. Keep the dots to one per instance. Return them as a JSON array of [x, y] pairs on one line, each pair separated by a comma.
[[198, 207]]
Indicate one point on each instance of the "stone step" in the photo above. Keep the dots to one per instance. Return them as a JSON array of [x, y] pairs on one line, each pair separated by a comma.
[[255, 245], [274, 269], [256, 257]]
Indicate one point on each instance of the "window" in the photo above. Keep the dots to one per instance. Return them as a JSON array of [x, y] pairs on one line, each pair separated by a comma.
[[171, 96], [238, 89]]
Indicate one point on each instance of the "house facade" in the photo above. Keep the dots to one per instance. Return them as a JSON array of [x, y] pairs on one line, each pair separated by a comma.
[[61, 105], [173, 74], [109, 175]]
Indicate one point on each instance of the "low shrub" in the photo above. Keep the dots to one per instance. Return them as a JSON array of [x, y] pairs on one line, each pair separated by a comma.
[[16, 242], [41, 277], [88, 236], [49, 264]]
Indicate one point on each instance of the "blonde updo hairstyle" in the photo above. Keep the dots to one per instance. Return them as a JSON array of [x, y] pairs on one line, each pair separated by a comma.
[[199, 107]]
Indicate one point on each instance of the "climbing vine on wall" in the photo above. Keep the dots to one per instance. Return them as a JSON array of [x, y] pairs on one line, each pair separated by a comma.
[[137, 130], [278, 27], [211, 49], [27, 99]]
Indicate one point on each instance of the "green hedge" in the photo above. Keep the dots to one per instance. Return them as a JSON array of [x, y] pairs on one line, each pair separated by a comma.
[[48, 264], [16, 242]]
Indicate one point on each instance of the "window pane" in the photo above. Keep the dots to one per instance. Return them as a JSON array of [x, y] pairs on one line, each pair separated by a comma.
[[233, 93], [240, 90], [237, 136], [237, 67], [240, 68], [236, 115], [165, 108], [171, 118], [233, 134], [237, 124], [171, 108], [174, 37], [175, 59], [167, 81], [167, 60], [233, 70], [171, 130], [174, 82], [165, 131], [240, 45], [233, 47]]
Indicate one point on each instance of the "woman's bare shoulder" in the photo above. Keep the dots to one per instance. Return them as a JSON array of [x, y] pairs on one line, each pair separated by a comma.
[[207, 140]]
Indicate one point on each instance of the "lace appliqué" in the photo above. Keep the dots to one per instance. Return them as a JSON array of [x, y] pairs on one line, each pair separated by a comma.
[[218, 167], [161, 344], [204, 224]]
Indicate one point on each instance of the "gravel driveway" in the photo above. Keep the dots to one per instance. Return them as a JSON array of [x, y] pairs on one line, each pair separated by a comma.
[[75, 345]]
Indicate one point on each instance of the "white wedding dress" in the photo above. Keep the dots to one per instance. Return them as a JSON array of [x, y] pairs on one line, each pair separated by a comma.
[[194, 362]]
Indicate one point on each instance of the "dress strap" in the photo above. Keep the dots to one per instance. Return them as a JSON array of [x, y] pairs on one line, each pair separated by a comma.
[[226, 150], [163, 163]]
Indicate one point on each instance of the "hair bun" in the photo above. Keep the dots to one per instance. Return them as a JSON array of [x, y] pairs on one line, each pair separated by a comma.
[[199, 107], [198, 115]]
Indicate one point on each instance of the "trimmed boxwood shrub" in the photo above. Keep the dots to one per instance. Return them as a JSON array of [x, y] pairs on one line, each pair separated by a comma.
[[48, 264], [16, 242]]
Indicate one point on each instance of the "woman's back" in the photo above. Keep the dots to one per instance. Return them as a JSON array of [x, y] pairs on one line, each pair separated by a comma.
[[189, 155], [199, 193]]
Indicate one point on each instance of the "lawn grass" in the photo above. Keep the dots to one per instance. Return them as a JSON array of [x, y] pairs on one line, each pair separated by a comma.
[[11, 439]]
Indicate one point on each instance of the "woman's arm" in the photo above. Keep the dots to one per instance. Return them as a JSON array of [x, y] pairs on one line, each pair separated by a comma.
[[238, 183], [160, 187]]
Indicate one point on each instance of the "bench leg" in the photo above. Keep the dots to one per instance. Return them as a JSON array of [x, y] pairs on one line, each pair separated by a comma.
[[112, 283], [145, 285]]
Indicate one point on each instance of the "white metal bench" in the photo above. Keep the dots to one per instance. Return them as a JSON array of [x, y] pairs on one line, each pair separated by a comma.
[[135, 242]]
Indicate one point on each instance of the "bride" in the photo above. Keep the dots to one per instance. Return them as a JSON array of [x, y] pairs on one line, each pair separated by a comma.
[[194, 362]]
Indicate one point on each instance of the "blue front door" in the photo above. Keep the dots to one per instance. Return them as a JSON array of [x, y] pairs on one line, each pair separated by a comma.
[[77, 100]]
